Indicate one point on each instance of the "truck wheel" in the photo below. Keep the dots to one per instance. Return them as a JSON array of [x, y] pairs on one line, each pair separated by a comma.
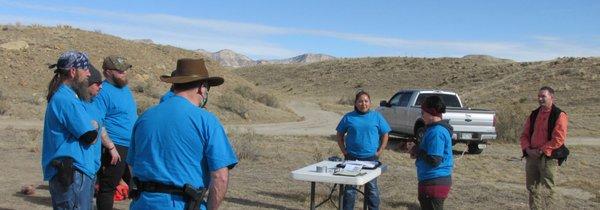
[[420, 133], [474, 148]]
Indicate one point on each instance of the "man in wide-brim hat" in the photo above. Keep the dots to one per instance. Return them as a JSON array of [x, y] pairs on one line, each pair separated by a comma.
[[176, 145], [190, 70]]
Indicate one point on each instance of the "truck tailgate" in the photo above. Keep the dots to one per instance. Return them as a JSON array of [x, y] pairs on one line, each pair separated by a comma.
[[471, 121]]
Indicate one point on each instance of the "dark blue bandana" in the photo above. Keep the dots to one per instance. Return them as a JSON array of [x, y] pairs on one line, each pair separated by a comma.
[[72, 59]]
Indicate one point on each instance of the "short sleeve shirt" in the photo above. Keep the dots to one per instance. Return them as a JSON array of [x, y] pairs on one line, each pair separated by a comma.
[[65, 121], [93, 164], [436, 141], [120, 111], [363, 132], [166, 96], [174, 143]]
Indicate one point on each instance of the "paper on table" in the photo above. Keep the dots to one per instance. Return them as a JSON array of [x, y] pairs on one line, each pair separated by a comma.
[[352, 167], [366, 164]]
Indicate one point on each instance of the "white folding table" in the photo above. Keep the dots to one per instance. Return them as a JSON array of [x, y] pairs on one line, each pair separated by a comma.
[[310, 174]]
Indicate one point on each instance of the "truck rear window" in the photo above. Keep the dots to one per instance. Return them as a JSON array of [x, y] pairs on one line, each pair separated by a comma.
[[449, 100]]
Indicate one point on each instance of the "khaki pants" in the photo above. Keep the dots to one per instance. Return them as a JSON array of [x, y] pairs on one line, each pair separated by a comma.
[[540, 174]]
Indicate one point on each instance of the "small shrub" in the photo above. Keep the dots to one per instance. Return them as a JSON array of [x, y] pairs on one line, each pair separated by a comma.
[[148, 88], [269, 100], [3, 107], [264, 98], [346, 100], [317, 155], [233, 104], [245, 145], [523, 100], [510, 123]]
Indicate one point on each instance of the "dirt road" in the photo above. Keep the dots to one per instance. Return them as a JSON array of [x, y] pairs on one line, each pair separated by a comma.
[[317, 122]]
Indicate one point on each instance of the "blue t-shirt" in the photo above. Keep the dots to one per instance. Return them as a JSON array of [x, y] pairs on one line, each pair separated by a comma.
[[91, 167], [176, 142], [166, 96], [436, 141], [120, 111], [65, 121], [363, 132]]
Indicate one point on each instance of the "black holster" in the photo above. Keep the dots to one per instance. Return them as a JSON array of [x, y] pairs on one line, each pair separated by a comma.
[[65, 169], [193, 196]]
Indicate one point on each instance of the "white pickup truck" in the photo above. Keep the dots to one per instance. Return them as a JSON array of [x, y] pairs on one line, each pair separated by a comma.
[[471, 126]]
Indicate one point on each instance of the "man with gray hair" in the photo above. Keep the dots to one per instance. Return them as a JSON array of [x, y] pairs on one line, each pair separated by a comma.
[[69, 135]]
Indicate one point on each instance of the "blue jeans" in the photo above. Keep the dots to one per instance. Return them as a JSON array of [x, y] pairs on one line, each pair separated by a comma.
[[371, 190], [78, 195]]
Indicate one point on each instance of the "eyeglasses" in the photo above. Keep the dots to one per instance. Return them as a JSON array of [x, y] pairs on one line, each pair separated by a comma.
[[206, 86]]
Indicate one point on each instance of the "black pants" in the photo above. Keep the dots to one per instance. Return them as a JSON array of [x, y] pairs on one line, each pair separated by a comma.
[[431, 203], [109, 177]]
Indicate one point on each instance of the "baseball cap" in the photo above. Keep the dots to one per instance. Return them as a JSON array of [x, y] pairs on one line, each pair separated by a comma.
[[116, 62]]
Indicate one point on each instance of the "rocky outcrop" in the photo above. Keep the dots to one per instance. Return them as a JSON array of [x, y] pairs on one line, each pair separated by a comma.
[[16, 45]]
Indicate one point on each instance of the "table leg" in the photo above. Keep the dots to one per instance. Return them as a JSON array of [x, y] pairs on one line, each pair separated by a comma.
[[312, 195], [341, 198], [365, 199]]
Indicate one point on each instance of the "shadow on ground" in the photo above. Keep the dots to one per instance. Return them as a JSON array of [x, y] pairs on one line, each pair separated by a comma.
[[286, 196], [246, 202], [39, 200], [407, 205]]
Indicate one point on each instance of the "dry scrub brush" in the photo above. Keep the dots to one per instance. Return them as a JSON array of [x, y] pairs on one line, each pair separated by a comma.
[[510, 121], [234, 103], [264, 98], [245, 145]]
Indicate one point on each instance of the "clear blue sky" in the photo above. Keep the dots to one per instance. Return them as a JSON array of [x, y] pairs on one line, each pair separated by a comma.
[[519, 30]]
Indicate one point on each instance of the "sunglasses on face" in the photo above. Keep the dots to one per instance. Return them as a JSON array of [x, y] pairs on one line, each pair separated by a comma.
[[206, 86]]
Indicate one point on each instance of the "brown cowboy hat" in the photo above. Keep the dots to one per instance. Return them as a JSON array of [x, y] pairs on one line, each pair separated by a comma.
[[189, 70]]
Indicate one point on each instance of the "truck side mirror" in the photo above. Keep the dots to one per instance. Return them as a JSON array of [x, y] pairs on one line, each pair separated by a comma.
[[384, 103]]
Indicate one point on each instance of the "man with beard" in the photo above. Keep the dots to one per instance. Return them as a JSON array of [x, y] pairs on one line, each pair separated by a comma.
[[94, 87], [116, 101], [69, 135]]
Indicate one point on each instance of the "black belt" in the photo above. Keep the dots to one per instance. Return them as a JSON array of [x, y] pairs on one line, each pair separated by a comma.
[[159, 188], [193, 196]]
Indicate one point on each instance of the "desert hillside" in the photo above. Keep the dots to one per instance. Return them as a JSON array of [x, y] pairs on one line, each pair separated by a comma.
[[26, 50], [482, 81]]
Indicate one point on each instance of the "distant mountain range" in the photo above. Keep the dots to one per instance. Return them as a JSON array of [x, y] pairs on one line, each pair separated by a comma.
[[233, 59]]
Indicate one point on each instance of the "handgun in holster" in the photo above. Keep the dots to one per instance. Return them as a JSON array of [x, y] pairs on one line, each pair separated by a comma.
[[134, 192], [194, 196], [65, 170]]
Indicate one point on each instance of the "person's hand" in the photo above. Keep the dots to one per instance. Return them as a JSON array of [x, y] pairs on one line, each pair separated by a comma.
[[344, 153], [114, 156], [378, 154], [533, 152], [95, 124]]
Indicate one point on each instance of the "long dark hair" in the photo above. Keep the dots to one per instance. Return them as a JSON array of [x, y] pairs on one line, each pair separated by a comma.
[[59, 74]]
